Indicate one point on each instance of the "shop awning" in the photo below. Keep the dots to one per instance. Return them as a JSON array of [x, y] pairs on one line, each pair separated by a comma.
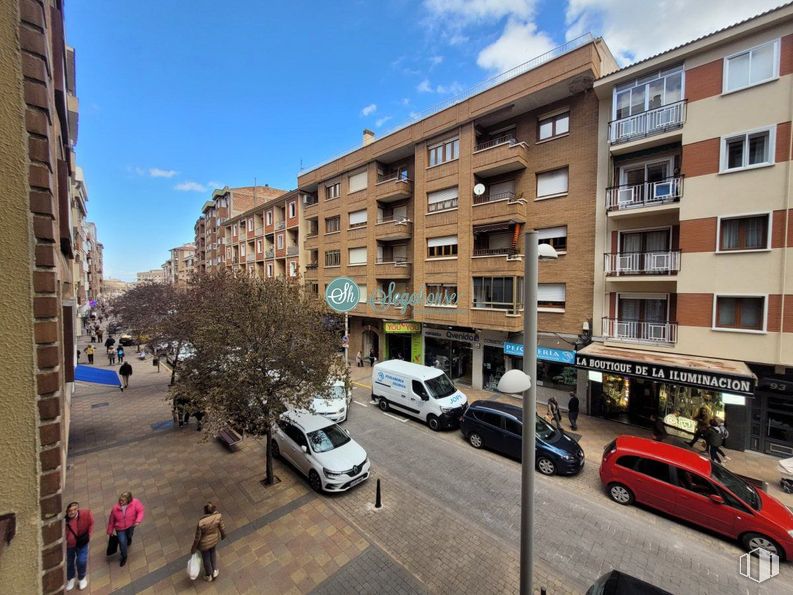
[[700, 372], [94, 375]]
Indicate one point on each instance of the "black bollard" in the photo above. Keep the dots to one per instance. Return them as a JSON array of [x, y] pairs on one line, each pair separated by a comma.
[[378, 501]]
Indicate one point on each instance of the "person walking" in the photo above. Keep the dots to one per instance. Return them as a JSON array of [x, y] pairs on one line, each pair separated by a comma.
[[79, 527], [659, 428], [79, 353], [111, 357], [572, 410], [89, 351], [99, 334], [554, 412], [109, 342], [125, 515], [359, 359], [126, 371], [155, 361], [208, 533], [725, 433], [703, 423], [120, 354], [714, 440]]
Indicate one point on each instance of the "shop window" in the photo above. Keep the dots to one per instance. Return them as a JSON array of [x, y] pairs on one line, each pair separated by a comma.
[[555, 375], [744, 233], [740, 313]]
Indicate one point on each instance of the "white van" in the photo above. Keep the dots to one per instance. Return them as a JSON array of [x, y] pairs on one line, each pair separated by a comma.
[[420, 391]]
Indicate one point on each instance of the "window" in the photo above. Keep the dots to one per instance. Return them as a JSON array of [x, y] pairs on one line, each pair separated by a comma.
[[442, 200], [333, 258], [356, 181], [258, 245], [654, 469], [695, 483], [743, 313], [555, 236], [269, 217], [551, 295], [332, 191], [628, 461], [513, 427], [448, 150], [442, 294], [648, 92], [494, 419], [358, 218], [744, 233], [292, 209], [279, 241], [552, 183], [333, 224], [242, 250], [356, 256], [293, 269], [362, 297], [553, 126], [250, 224], [750, 149], [418, 389], [751, 67], [498, 293], [234, 229], [269, 271], [442, 247]]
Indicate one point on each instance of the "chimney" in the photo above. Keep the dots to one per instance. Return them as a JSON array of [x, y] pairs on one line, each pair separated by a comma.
[[368, 136]]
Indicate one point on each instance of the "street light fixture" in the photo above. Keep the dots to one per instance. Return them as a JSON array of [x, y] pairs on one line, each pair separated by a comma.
[[516, 381]]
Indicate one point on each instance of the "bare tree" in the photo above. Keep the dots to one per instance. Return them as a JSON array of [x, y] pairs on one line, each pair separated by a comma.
[[261, 346]]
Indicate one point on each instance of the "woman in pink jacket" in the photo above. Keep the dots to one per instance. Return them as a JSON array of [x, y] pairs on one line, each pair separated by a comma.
[[125, 515]]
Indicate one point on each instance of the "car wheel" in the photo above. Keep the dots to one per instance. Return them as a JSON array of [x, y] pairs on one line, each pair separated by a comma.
[[620, 494], [752, 541], [276, 449], [433, 423], [546, 466], [476, 440], [314, 481], [383, 404]]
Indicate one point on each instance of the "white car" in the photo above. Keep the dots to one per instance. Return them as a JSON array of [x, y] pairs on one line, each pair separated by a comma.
[[321, 450], [335, 404]]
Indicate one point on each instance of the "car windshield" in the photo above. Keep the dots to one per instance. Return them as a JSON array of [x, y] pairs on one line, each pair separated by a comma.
[[544, 429], [336, 393], [440, 386], [328, 438], [736, 485]]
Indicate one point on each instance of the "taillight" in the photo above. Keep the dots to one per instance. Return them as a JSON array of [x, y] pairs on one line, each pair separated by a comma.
[[610, 449]]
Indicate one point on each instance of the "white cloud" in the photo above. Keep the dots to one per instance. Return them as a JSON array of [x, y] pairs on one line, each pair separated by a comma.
[[424, 87], [190, 187], [405, 101], [435, 61], [156, 172], [414, 115], [380, 121], [519, 42], [453, 88], [369, 109], [214, 184], [632, 35], [477, 10]]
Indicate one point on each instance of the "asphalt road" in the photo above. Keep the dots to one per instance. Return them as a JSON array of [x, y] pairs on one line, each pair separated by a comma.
[[580, 533]]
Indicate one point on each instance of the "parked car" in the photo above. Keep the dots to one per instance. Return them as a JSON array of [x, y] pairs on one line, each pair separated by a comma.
[[498, 426], [321, 450], [126, 340], [335, 405], [185, 352], [420, 391], [619, 583], [688, 486]]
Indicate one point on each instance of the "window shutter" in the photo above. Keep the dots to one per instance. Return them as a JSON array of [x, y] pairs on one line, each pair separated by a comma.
[[502, 187], [441, 195], [442, 241], [551, 232], [552, 182], [357, 256], [358, 217], [357, 181], [551, 292]]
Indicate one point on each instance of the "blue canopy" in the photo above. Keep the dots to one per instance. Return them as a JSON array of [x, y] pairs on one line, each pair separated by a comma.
[[84, 373]]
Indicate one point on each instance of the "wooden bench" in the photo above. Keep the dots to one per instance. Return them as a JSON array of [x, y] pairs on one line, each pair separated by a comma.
[[229, 437]]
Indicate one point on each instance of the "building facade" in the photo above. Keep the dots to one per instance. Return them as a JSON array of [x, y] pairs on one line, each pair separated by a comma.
[[182, 265], [692, 280], [438, 209], [95, 263], [37, 166], [152, 276]]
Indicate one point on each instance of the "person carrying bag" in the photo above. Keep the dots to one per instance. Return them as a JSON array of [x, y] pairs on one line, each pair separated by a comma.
[[79, 526], [209, 532]]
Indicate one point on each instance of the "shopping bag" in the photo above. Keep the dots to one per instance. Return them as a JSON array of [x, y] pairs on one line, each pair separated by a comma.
[[112, 545], [194, 566]]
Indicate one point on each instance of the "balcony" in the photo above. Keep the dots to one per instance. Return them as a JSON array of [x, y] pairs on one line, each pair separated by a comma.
[[397, 267], [250, 257], [394, 229], [497, 319], [269, 253], [279, 225], [497, 207], [292, 250], [312, 270], [649, 123], [312, 266], [393, 186], [640, 331], [649, 264], [648, 194], [310, 200], [499, 156]]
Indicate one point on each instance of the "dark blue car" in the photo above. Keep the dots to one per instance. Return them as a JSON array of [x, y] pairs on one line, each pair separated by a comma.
[[497, 426]]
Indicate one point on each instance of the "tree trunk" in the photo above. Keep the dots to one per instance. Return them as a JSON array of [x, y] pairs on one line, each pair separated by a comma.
[[175, 363], [268, 478]]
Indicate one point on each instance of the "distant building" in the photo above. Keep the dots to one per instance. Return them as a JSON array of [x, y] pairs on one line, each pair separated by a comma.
[[182, 265], [152, 276], [114, 287]]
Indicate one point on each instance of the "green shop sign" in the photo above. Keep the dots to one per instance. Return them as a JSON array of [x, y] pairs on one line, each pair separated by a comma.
[[342, 294]]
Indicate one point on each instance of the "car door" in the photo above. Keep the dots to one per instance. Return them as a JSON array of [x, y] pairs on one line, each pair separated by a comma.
[[303, 461], [287, 442], [695, 503], [489, 428], [512, 438], [418, 400], [651, 481]]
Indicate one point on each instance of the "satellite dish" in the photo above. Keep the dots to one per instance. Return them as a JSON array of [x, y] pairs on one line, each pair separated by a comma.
[[479, 189]]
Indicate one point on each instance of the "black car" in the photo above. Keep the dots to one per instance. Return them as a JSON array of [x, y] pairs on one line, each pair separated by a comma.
[[498, 426], [619, 583]]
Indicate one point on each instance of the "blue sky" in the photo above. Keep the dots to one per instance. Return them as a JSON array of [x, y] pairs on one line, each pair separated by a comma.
[[178, 97]]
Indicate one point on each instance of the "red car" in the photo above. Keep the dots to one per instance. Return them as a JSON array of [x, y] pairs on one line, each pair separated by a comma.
[[688, 486]]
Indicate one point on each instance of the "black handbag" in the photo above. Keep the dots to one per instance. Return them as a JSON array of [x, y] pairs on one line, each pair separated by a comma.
[[80, 540], [112, 545]]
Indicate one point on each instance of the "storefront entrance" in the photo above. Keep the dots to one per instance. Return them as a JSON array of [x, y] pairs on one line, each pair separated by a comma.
[[772, 413], [493, 367], [398, 347], [450, 351]]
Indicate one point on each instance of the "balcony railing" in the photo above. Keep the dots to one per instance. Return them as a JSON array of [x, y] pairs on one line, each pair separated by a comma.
[[310, 200], [395, 260], [443, 205], [648, 194], [357, 225], [643, 263], [270, 253], [654, 121], [251, 257], [492, 197], [394, 174], [292, 250], [259, 230], [640, 331], [280, 225], [311, 266], [495, 252], [401, 220], [507, 139]]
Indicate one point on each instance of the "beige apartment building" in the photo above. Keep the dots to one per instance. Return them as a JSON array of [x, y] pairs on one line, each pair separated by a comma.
[[227, 202], [182, 265], [438, 208], [152, 276], [692, 277], [95, 259], [265, 240]]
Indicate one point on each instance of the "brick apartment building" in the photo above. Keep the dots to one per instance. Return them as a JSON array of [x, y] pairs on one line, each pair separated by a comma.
[[182, 265], [401, 212], [152, 276], [692, 281], [225, 203], [37, 165], [265, 240], [95, 263]]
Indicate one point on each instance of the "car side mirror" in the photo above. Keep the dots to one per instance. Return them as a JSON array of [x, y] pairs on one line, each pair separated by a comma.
[[716, 498], [304, 448], [425, 397], [346, 431]]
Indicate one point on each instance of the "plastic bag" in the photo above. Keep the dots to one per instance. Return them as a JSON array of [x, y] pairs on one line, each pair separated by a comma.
[[194, 566]]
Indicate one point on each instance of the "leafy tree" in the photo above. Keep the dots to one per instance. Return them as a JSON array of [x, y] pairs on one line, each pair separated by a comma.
[[261, 347]]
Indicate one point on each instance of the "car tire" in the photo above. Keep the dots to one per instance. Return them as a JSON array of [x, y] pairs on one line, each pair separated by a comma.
[[434, 423], [751, 541], [383, 404], [275, 449], [475, 440], [546, 466], [314, 481], [621, 494]]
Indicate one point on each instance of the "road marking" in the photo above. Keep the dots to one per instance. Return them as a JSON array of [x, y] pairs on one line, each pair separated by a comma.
[[399, 419], [359, 403], [361, 385]]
